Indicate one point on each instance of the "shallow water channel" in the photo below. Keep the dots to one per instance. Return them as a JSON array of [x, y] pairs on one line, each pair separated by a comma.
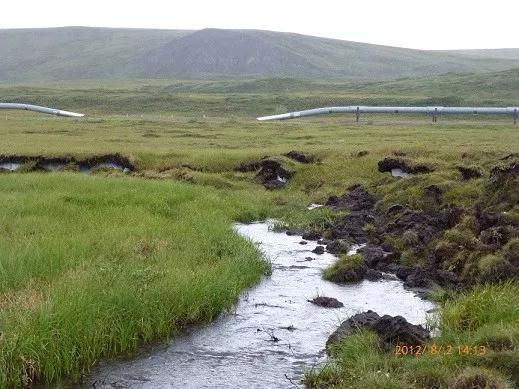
[[57, 166], [274, 333]]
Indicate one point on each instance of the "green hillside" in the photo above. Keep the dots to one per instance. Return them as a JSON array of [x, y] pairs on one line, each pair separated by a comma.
[[77, 53]]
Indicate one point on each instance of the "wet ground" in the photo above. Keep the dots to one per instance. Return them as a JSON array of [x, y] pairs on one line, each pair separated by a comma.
[[11, 166], [52, 164], [273, 335], [399, 173], [53, 167]]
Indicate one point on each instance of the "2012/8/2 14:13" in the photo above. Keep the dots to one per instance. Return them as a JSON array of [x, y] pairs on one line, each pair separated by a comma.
[[434, 349]]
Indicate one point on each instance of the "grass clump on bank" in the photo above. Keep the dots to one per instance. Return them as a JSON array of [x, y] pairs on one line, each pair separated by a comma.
[[486, 316], [93, 267], [348, 268]]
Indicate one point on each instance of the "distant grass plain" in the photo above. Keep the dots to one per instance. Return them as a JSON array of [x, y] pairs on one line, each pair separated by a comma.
[[92, 266]]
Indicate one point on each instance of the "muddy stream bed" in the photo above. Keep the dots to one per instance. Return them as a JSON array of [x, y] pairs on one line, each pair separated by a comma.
[[273, 335]]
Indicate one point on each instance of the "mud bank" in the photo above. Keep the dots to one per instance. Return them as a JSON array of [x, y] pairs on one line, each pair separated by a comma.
[[434, 241], [86, 165], [268, 172], [274, 333], [402, 166], [365, 225]]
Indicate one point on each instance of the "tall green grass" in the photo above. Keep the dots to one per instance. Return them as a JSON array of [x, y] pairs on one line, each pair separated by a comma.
[[92, 267]]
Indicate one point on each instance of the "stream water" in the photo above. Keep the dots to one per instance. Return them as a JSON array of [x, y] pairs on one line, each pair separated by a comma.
[[274, 333], [11, 166], [399, 173], [56, 166]]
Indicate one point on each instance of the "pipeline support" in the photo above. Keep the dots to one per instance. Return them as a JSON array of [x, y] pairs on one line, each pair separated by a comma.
[[433, 111]]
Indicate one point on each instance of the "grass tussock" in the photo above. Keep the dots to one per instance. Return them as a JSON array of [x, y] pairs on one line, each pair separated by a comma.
[[348, 268]]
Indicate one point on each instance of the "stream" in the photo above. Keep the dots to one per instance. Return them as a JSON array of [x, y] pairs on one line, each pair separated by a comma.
[[273, 335], [57, 166]]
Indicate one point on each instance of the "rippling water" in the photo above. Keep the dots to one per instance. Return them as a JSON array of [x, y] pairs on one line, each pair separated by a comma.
[[273, 335]]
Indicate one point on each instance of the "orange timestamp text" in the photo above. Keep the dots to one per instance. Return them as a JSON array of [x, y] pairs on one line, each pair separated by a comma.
[[440, 350]]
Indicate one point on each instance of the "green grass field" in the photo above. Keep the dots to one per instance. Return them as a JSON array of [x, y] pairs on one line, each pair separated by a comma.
[[92, 266]]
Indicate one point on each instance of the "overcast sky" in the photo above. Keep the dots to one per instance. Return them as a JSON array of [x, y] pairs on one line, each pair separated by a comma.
[[440, 24]]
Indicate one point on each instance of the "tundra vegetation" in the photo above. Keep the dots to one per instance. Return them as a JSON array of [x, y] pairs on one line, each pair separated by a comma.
[[95, 266]]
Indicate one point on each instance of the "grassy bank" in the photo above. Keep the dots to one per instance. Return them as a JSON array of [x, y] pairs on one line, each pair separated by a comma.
[[92, 267], [478, 341], [477, 348]]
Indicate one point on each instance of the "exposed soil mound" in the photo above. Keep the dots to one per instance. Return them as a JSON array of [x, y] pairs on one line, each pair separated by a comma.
[[13, 159], [107, 160], [327, 302], [353, 324], [425, 225], [396, 330], [356, 199], [269, 172], [388, 164], [351, 227], [391, 330], [300, 157], [318, 250], [373, 255], [311, 235]]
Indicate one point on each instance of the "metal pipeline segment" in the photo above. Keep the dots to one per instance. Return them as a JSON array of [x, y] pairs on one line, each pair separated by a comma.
[[512, 111], [37, 108]]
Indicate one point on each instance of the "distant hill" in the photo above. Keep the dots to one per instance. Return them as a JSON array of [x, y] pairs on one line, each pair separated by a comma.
[[71, 53], [490, 53], [74, 53]]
